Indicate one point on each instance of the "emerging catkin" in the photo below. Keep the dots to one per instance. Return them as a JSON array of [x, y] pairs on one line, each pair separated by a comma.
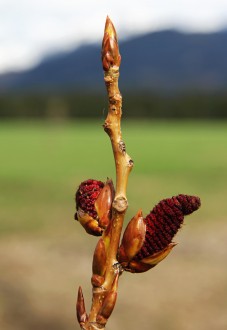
[[163, 222]]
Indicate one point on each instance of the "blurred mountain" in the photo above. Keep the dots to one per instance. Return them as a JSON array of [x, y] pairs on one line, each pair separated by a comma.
[[164, 60]]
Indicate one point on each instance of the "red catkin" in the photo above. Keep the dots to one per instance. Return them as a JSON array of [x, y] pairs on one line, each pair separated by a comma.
[[163, 222], [86, 196]]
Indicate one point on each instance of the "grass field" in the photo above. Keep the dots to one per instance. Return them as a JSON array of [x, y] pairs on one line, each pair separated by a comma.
[[45, 255]]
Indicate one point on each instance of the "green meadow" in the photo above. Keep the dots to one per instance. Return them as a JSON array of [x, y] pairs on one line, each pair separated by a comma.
[[41, 165]]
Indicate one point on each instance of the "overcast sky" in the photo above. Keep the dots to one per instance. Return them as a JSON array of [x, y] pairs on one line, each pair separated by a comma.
[[31, 28]]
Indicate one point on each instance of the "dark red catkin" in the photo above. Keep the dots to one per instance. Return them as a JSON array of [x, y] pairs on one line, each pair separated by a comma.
[[86, 196], [163, 222]]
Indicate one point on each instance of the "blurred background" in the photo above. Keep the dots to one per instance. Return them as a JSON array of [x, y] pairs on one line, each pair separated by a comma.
[[52, 106]]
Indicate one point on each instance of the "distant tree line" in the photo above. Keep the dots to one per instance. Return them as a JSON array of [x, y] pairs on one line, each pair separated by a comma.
[[94, 105]]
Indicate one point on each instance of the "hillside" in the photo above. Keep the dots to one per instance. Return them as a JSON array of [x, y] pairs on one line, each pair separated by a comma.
[[164, 60]]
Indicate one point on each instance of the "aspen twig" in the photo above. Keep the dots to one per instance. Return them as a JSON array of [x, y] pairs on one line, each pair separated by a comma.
[[101, 211], [112, 126]]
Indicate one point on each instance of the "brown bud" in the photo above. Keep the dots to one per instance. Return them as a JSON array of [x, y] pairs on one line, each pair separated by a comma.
[[108, 303], [133, 239], [99, 258], [110, 51], [80, 308], [103, 204]]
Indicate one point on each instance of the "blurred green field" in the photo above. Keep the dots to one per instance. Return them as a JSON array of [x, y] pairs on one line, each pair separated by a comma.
[[42, 163]]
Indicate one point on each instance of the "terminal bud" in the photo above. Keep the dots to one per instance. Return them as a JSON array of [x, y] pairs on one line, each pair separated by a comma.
[[110, 50]]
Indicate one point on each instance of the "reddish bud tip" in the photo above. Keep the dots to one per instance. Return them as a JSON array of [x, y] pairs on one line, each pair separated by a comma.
[[110, 29], [110, 51]]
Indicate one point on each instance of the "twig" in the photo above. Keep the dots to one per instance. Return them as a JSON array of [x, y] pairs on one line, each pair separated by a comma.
[[123, 162], [104, 296], [101, 211]]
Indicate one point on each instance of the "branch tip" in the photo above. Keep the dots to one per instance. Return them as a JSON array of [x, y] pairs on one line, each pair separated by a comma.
[[110, 51]]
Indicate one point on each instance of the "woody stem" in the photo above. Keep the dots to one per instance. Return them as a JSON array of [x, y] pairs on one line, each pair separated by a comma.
[[123, 164]]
